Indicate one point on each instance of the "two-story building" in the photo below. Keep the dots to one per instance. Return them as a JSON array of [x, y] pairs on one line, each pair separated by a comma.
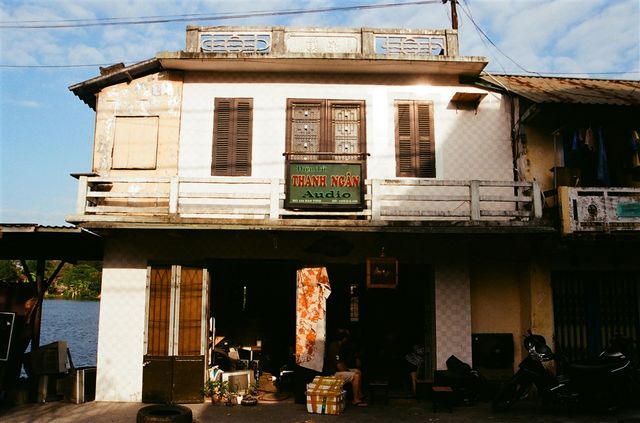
[[580, 140], [221, 170]]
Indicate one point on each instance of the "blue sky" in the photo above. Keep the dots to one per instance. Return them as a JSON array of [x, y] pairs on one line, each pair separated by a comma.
[[46, 133]]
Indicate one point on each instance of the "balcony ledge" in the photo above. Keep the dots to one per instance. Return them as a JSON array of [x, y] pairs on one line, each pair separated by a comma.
[[323, 63], [314, 225]]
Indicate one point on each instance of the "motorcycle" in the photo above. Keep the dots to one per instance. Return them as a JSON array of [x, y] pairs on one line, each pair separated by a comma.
[[602, 382]]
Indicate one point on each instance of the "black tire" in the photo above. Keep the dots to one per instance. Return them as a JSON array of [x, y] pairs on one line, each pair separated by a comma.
[[164, 414]]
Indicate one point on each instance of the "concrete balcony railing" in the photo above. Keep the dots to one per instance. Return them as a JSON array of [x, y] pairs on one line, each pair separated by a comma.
[[243, 200], [598, 209], [279, 41]]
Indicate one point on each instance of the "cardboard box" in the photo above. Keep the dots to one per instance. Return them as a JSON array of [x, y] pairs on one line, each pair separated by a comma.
[[325, 395]]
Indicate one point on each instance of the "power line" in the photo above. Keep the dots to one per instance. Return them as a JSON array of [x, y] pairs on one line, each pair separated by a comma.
[[56, 66], [52, 21], [467, 11], [183, 18]]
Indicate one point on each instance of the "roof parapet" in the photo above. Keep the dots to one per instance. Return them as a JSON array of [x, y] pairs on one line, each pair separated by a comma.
[[315, 42]]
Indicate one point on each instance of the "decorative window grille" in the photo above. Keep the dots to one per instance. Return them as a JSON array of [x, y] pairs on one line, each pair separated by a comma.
[[410, 45], [326, 126], [176, 310], [235, 43]]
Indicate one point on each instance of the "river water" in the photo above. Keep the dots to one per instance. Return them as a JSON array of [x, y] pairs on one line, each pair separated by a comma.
[[75, 322]]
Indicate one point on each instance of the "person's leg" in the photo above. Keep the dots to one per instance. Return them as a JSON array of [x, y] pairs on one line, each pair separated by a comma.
[[356, 385]]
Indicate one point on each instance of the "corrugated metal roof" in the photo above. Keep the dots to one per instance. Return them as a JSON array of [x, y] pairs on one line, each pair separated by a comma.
[[34, 227], [547, 89], [33, 241]]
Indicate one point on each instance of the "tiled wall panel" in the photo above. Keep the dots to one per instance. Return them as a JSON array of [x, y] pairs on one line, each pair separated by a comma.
[[453, 313]]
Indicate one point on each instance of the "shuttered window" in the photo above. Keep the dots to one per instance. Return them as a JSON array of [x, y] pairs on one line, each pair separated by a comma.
[[135, 142], [415, 144], [176, 311], [232, 137], [326, 126]]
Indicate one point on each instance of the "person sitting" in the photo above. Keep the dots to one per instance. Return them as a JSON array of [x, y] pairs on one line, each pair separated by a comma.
[[339, 355]]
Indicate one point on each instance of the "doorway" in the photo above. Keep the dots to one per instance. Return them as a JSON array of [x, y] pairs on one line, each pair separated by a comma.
[[253, 302]]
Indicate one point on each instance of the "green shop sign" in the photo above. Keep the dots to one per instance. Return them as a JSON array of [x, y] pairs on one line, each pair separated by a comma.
[[628, 209], [324, 185]]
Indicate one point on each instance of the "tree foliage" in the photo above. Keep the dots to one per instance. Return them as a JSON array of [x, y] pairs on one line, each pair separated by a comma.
[[81, 281], [9, 271]]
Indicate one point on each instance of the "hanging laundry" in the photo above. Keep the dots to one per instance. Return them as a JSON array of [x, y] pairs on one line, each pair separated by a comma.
[[313, 289], [572, 150], [589, 139], [602, 172]]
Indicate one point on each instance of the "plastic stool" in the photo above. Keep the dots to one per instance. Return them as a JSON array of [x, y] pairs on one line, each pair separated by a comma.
[[442, 396]]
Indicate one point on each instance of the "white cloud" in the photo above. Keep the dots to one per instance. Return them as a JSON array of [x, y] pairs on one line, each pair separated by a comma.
[[85, 54], [28, 103], [557, 36]]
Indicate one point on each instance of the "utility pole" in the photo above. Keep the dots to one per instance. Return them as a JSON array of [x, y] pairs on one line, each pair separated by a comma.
[[454, 13]]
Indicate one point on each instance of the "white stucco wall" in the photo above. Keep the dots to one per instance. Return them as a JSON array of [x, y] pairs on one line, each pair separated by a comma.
[[122, 322], [469, 145]]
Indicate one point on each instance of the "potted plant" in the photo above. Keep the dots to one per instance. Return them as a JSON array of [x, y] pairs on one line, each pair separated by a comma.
[[252, 394], [217, 390]]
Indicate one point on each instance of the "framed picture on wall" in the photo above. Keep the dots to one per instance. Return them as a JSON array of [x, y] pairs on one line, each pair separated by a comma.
[[382, 272]]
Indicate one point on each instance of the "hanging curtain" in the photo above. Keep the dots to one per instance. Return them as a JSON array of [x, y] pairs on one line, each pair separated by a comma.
[[312, 292]]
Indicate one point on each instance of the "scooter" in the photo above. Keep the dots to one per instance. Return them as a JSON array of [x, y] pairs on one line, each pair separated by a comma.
[[601, 383]]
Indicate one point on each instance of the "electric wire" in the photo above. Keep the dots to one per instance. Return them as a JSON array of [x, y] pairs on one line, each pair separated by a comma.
[[230, 15], [467, 12], [287, 12]]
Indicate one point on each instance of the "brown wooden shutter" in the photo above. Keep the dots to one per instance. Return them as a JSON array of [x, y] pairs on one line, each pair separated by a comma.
[[404, 140], [243, 131], [190, 325], [159, 311], [232, 137], [415, 148], [425, 141]]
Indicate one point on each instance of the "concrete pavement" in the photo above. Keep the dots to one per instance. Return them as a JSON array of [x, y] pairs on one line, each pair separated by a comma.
[[398, 410]]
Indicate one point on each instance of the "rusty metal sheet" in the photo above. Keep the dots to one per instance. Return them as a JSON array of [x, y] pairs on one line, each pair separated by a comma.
[[546, 89]]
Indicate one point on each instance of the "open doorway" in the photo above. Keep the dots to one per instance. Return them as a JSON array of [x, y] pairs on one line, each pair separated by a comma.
[[385, 323], [253, 304], [256, 300]]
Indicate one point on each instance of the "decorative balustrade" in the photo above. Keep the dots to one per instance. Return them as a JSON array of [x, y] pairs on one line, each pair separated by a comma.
[[235, 42], [366, 42], [410, 45], [163, 199]]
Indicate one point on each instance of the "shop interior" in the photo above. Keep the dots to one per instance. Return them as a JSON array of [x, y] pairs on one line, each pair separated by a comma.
[[253, 308]]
